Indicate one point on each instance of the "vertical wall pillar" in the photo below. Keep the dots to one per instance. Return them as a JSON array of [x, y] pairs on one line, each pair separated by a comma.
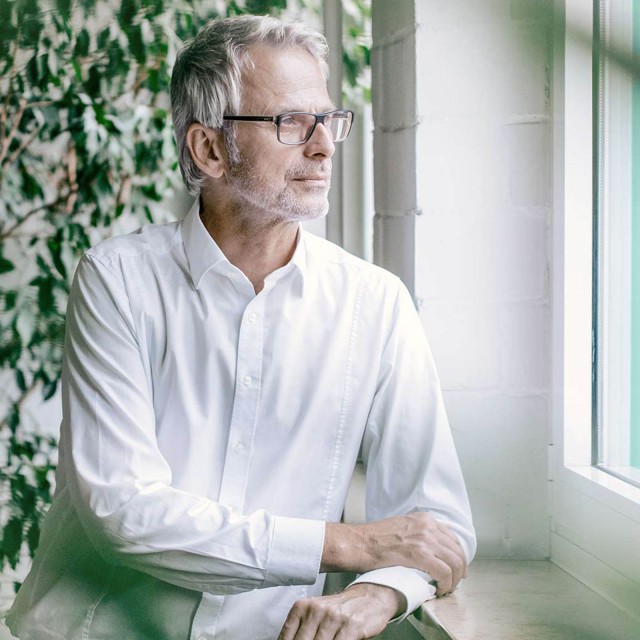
[[393, 61], [333, 33]]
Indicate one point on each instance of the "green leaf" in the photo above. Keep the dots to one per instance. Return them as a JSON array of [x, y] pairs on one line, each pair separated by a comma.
[[154, 81], [32, 70], [150, 191], [118, 64], [46, 76], [262, 7], [28, 498], [6, 265], [78, 71], [43, 266], [55, 249], [136, 43], [82, 43], [92, 84], [46, 302], [12, 540], [13, 419], [64, 7], [49, 390], [31, 187], [10, 298], [128, 10], [33, 537], [20, 381], [103, 38], [29, 18]]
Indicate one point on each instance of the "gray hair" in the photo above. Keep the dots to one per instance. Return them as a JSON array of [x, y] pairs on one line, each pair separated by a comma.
[[206, 78]]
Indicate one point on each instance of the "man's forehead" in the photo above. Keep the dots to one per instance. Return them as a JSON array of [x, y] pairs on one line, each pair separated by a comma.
[[282, 79]]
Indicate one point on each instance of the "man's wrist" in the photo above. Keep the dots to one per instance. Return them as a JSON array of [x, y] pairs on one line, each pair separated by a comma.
[[343, 548], [389, 600]]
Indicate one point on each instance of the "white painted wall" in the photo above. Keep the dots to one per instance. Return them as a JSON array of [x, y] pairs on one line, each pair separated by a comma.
[[465, 221]]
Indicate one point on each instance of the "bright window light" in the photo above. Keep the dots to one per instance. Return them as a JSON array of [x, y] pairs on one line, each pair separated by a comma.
[[616, 273]]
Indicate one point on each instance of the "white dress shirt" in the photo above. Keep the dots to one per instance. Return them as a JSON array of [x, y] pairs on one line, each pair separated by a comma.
[[209, 433]]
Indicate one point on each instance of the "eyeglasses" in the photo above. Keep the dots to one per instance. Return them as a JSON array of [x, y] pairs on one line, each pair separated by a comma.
[[297, 127]]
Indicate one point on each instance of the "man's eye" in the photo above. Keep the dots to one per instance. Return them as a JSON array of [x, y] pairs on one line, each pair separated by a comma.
[[288, 121]]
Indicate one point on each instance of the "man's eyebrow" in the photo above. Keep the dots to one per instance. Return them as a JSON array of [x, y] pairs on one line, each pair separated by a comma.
[[289, 109]]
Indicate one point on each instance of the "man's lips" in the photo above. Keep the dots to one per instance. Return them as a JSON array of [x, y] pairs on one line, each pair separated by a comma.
[[313, 180]]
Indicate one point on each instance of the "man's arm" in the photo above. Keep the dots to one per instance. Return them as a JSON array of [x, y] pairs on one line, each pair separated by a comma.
[[416, 541], [363, 610], [119, 481], [420, 527]]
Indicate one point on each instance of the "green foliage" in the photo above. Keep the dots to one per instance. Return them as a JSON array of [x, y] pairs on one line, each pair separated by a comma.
[[356, 51], [86, 150]]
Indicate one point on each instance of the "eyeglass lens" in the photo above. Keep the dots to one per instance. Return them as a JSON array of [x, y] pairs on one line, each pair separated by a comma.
[[297, 127]]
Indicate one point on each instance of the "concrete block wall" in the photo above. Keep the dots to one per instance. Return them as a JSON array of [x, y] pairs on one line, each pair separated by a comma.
[[477, 231]]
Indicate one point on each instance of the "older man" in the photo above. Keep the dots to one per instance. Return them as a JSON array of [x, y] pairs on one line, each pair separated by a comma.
[[222, 375]]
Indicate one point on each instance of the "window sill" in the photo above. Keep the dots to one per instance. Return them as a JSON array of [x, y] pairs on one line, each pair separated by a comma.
[[605, 488], [528, 600]]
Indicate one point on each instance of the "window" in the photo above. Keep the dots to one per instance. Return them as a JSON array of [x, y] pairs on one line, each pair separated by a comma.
[[595, 524], [616, 272]]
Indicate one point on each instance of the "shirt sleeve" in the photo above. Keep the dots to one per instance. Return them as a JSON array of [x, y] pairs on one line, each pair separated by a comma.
[[408, 450], [120, 483]]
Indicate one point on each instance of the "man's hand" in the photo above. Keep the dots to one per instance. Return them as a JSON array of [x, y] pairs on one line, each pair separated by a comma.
[[361, 611], [416, 540]]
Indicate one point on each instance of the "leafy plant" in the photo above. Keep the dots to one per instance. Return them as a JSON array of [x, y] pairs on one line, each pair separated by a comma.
[[86, 150]]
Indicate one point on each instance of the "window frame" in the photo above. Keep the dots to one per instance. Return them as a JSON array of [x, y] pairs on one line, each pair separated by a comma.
[[612, 229], [572, 254]]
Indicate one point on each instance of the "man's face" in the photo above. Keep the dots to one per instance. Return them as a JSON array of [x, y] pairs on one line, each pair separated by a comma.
[[281, 183]]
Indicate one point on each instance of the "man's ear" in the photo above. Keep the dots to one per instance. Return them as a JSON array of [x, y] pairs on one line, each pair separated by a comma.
[[207, 149]]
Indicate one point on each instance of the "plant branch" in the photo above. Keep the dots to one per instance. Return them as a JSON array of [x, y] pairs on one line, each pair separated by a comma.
[[25, 143], [5, 233], [5, 106], [73, 179], [39, 104], [6, 143], [23, 398]]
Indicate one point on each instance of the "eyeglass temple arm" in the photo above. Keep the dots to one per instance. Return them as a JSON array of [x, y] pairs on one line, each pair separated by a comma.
[[251, 118]]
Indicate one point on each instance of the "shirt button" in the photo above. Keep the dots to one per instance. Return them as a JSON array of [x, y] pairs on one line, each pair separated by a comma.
[[253, 317], [239, 448], [246, 381]]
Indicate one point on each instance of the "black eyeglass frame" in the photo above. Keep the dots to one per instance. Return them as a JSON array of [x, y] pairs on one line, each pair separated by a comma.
[[320, 118]]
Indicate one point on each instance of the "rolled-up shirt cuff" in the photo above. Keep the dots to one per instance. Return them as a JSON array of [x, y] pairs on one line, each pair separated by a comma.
[[413, 584], [295, 552]]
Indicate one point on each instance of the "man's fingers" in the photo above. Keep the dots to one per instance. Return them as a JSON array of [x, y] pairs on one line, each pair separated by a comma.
[[361, 611], [448, 569], [454, 546], [309, 620], [326, 631], [290, 626], [441, 572], [454, 556]]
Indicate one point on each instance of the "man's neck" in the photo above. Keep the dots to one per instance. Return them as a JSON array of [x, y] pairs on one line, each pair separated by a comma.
[[256, 248]]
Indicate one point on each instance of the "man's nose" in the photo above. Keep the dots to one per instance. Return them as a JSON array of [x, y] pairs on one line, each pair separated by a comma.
[[320, 142]]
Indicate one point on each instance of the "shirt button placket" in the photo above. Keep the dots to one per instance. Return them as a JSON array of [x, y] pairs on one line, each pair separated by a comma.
[[245, 406]]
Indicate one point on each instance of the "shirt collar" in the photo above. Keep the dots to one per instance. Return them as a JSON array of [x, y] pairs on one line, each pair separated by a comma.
[[202, 251], [203, 254]]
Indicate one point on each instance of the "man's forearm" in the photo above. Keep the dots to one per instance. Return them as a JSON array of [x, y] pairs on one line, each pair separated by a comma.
[[415, 541], [344, 548]]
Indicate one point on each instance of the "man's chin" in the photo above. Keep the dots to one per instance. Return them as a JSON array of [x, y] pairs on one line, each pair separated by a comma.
[[315, 208]]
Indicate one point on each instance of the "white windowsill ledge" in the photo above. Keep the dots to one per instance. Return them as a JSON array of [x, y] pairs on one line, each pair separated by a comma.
[[604, 487], [523, 600]]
